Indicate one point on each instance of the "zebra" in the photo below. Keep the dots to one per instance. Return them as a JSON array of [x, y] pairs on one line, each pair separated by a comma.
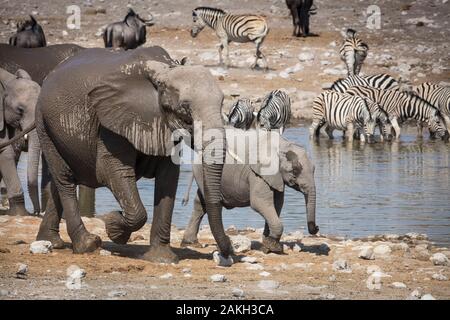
[[353, 52], [343, 112], [241, 114], [275, 111], [438, 96], [380, 81], [231, 28], [401, 106], [381, 119]]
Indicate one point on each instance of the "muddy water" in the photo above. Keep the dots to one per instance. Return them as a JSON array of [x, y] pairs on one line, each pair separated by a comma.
[[361, 189]]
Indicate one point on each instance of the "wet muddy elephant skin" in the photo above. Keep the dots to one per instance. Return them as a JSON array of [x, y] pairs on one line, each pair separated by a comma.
[[109, 124], [18, 97], [243, 185]]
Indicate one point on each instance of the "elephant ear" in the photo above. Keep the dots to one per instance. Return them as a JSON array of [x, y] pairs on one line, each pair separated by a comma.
[[128, 105], [275, 181], [22, 74]]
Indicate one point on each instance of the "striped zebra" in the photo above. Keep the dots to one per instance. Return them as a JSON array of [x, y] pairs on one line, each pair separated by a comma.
[[275, 111], [231, 28], [401, 106], [438, 96], [241, 114], [380, 81], [342, 112], [353, 52], [381, 119]]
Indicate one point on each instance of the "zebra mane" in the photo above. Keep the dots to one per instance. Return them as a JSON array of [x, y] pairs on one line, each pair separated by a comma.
[[208, 10]]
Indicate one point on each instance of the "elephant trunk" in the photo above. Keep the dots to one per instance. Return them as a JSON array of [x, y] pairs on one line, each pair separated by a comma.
[[310, 199], [213, 159], [34, 154]]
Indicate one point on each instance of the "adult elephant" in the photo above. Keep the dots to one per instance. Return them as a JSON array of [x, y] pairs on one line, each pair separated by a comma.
[[18, 97], [38, 63], [105, 118]]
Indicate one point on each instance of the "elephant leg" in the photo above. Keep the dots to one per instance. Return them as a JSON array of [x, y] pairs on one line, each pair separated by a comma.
[[190, 234], [12, 182], [63, 179], [166, 182], [49, 228]]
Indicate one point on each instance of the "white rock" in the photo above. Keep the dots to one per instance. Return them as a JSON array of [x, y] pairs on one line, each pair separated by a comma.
[[218, 278], [241, 243], [4, 219], [264, 274], [249, 259], [375, 279], [286, 248], [427, 297], [400, 247], [298, 235], [268, 285], [334, 71], [41, 247], [341, 265], [105, 253], [382, 250], [166, 276], [22, 271], [398, 285], [117, 293], [4, 293], [221, 261], [186, 270], [332, 278], [218, 72], [417, 293], [439, 277], [296, 248], [305, 56], [74, 277], [239, 293], [64, 33], [439, 259], [366, 253]]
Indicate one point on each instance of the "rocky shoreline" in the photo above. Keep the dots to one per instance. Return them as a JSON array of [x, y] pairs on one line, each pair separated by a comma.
[[321, 267]]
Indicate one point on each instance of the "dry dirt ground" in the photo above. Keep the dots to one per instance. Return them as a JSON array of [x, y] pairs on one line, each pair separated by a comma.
[[413, 42], [311, 268]]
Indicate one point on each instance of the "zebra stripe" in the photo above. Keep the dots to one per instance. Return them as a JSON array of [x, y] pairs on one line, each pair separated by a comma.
[[231, 28], [401, 106], [275, 111], [380, 81], [241, 114], [353, 52], [338, 111], [438, 96]]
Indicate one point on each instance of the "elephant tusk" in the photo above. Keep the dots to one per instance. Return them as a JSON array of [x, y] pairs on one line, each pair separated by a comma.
[[234, 156]]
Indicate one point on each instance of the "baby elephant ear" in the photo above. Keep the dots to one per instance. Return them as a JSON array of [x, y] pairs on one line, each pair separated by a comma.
[[22, 74], [274, 181]]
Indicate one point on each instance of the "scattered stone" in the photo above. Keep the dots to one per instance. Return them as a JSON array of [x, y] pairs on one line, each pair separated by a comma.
[[241, 243], [332, 278], [328, 296], [427, 297], [422, 255], [136, 237], [255, 266], [373, 282], [398, 285], [166, 276], [264, 274], [416, 236], [382, 250], [268, 285], [341, 265], [239, 293], [439, 259], [249, 260], [64, 33], [117, 293], [296, 248], [400, 247], [286, 248], [417, 293], [22, 271], [186, 270], [74, 277], [306, 56], [105, 252], [221, 261], [439, 277], [422, 246], [218, 278], [366, 253], [41, 247]]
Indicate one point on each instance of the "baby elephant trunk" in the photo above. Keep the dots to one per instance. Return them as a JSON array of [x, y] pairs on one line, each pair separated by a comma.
[[310, 199]]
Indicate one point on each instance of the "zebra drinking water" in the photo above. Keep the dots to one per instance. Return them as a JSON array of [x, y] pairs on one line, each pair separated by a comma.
[[353, 52], [231, 28], [342, 112], [401, 106], [241, 114], [275, 111], [380, 81]]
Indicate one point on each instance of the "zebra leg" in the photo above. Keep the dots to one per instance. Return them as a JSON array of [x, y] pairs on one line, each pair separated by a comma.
[[329, 131], [350, 131], [419, 129], [258, 55], [220, 54], [447, 122], [396, 127], [225, 43]]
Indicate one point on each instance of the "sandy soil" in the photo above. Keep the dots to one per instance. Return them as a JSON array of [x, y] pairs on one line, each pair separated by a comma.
[[307, 274]]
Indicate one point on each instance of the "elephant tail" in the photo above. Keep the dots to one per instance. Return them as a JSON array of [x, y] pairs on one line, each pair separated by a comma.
[[185, 199], [17, 137]]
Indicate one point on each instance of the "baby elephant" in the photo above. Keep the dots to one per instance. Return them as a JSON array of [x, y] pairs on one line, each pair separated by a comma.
[[129, 33], [29, 34], [244, 185]]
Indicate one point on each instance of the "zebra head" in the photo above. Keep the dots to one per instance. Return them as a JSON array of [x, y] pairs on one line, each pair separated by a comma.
[[369, 121], [199, 23], [381, 118], [435, 122]]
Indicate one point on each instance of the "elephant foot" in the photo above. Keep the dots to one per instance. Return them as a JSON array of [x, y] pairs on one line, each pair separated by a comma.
[[17, 207], [190, 243], [87, 242], [52, 236], [116, 229], [161, 253], [272, 245]]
